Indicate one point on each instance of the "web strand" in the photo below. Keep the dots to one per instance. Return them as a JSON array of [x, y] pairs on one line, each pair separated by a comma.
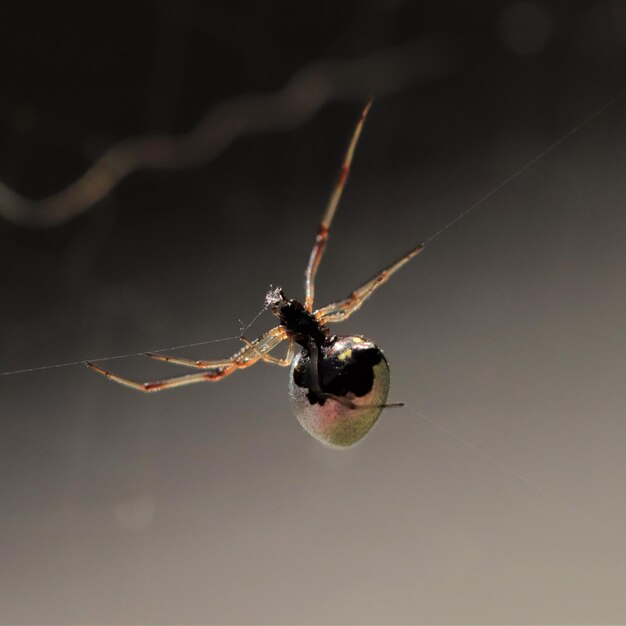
[[132, 354], [506, 468], [456, 219], [528, 165]]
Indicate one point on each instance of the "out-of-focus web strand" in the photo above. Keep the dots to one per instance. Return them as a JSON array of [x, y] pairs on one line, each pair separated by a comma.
[[309, 89], [453, 221]]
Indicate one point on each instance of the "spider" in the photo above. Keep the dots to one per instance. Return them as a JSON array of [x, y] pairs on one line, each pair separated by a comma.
[[338, 385]]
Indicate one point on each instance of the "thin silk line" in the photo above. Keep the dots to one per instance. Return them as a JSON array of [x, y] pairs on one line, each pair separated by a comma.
[[528, 165], [125, 356], [507, 468]]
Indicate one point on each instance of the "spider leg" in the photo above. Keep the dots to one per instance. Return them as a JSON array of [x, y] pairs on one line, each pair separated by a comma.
[[339, 311], [167, 383], [256, 348], [322, 234], [203, 365], [284, 362], [244, 358]]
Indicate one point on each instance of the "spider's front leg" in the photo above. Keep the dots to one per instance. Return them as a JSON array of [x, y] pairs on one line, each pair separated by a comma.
[[321, 238]]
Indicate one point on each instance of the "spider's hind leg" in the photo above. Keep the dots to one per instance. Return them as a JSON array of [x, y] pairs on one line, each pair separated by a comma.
[[354, 406]]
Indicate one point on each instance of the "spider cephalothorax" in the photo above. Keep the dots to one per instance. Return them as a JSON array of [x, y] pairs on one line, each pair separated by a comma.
[[338, 385], [301, 325]]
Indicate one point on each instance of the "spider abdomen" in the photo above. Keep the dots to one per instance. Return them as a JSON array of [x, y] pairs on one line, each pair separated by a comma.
[[352, 368]]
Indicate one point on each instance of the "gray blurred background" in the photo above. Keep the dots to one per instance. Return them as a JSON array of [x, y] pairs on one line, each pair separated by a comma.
[[496, 495]]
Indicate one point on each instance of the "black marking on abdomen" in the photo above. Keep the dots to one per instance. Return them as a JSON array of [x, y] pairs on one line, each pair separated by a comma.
[[354, 373]]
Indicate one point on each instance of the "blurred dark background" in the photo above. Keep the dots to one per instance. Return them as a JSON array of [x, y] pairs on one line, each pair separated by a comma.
[[209, 504]]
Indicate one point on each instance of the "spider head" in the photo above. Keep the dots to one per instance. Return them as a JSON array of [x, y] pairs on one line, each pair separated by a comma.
[[286, 310], [274, 298], [276, 301]]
